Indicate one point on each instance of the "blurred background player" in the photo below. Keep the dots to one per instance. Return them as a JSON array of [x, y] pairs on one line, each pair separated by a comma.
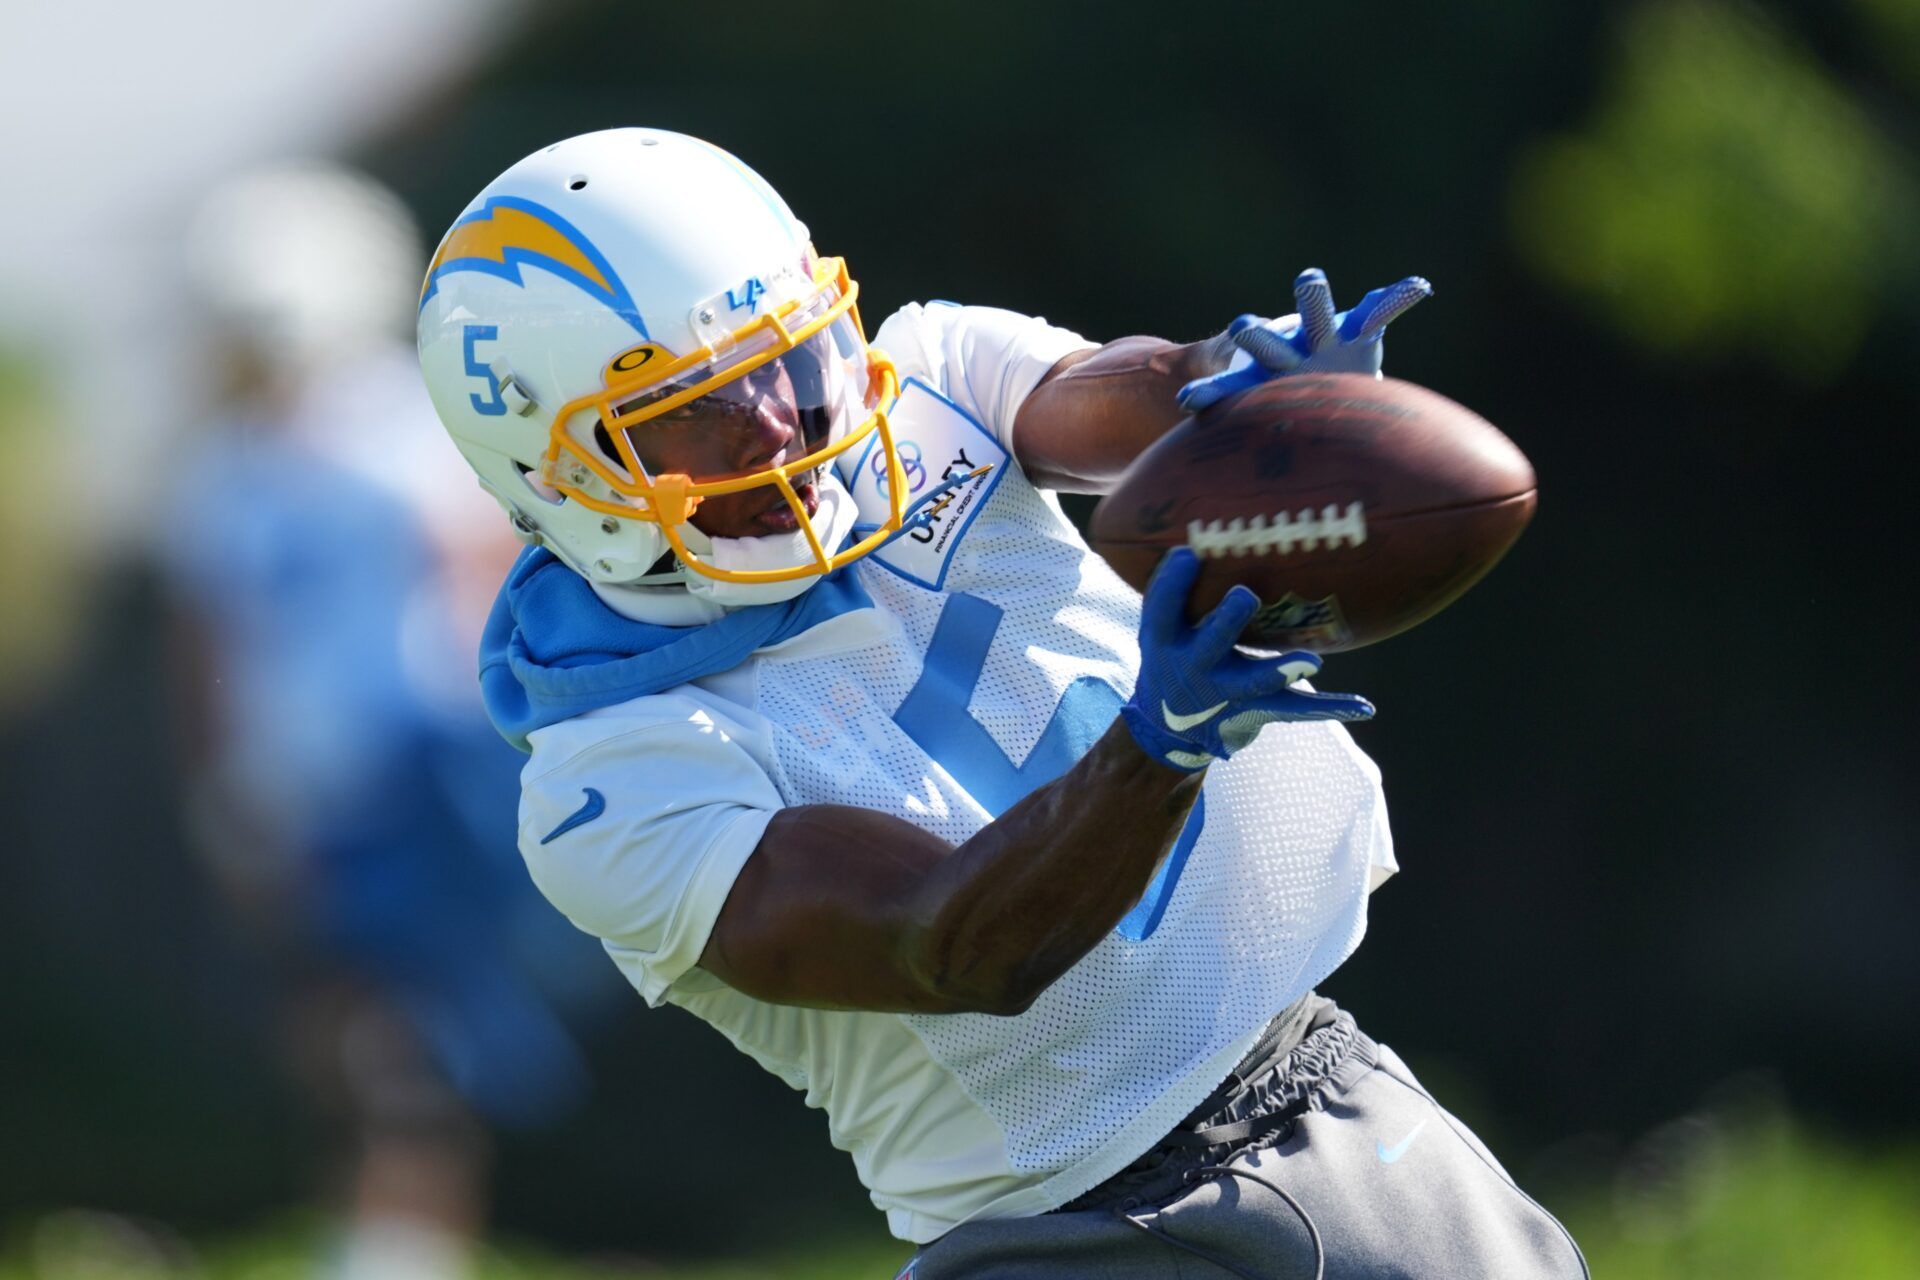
[[350, 798]]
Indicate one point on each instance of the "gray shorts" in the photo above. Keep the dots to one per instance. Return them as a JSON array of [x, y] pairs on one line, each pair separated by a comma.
[[1331, 1161]]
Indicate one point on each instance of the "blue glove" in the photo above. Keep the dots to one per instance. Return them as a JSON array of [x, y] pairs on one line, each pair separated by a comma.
[[1314, 341], [1198, 697]]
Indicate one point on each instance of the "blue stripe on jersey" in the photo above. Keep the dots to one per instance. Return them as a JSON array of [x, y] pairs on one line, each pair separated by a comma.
[[935, 716]]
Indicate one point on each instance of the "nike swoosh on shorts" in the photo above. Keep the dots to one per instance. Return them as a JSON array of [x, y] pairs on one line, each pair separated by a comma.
[[1389, 1154]]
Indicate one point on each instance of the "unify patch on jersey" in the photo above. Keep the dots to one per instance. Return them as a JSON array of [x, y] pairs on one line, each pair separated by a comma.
[[937, 441]]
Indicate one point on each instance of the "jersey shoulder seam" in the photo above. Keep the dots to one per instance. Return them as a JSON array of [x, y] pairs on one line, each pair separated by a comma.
[[599, 743]]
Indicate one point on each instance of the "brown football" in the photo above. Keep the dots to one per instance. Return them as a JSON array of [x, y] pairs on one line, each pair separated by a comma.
[[1354, 507]]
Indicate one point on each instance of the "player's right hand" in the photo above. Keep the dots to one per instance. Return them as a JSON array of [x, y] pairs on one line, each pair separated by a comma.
[[1198, 697]]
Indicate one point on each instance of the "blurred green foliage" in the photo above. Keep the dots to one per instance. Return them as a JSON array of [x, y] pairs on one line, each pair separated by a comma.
[[1705, 1198], [1727, 197], [1895, 25], [39, 578], [84, 1245], [1765, 1201]]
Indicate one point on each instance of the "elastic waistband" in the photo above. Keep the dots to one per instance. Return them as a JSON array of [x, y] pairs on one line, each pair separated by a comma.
[[1252, 1108], [1288, 1031]]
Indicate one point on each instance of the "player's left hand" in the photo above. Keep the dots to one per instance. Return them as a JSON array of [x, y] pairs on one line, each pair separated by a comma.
[[1317, 340]]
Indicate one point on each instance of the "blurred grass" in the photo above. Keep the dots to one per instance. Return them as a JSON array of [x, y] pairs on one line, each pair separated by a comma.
[[87, 1245], [1704, 1198], [1765, 1200]]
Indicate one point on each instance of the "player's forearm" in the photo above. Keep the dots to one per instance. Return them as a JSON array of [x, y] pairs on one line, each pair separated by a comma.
[[1095, 413], [1017, 905]]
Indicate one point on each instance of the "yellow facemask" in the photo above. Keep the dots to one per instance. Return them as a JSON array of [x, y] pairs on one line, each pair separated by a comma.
[[818, 333]]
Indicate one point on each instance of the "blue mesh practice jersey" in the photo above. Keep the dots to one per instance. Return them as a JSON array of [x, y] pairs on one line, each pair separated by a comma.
[[995, 652]]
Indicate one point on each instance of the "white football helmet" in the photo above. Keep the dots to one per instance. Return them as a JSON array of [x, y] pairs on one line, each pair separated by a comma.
[[305, 262], [622, 286]]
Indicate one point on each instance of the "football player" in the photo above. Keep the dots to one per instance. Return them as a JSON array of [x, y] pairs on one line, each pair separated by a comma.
[[841, 739], [347, 797]]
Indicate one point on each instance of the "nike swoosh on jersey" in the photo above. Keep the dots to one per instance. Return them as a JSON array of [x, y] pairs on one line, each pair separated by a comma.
[[595, 806], [1389, 1154], [1180, 724]]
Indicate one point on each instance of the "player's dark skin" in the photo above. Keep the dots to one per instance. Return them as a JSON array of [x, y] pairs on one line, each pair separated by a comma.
[[753, 425], [847, 908]]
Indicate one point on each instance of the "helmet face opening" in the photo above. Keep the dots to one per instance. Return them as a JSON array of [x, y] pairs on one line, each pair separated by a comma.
[[732, 438], [790, 407], [795, 404]]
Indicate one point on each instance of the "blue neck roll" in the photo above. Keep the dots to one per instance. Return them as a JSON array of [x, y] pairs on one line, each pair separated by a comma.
[[552, 649]]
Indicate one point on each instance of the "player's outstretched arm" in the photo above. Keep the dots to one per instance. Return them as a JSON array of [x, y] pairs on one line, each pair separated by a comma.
[[1098, 410], [846, 908]]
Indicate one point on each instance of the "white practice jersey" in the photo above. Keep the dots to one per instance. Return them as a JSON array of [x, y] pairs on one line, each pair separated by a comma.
[[996, 652]]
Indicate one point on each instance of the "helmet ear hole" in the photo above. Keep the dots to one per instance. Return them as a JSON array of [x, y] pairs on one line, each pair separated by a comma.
[[536, 486]]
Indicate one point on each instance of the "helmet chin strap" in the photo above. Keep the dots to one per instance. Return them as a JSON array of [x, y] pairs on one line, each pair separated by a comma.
[[688, 598], [832, 522]]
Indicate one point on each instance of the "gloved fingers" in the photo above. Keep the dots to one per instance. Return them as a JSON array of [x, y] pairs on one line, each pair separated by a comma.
[[1213, 638], [1276, 346], [1240, 728], [1202, 392], [1298, 664], [1251, 680], [1305, 704], [1381, 307], [1314, 296], [1163, 605]]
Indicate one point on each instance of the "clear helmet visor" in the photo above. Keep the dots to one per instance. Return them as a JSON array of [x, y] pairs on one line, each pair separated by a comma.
[[765, 417], [764, 412]]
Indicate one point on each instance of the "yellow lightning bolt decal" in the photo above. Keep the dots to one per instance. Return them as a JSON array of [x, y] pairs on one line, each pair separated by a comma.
[[490, 238]]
